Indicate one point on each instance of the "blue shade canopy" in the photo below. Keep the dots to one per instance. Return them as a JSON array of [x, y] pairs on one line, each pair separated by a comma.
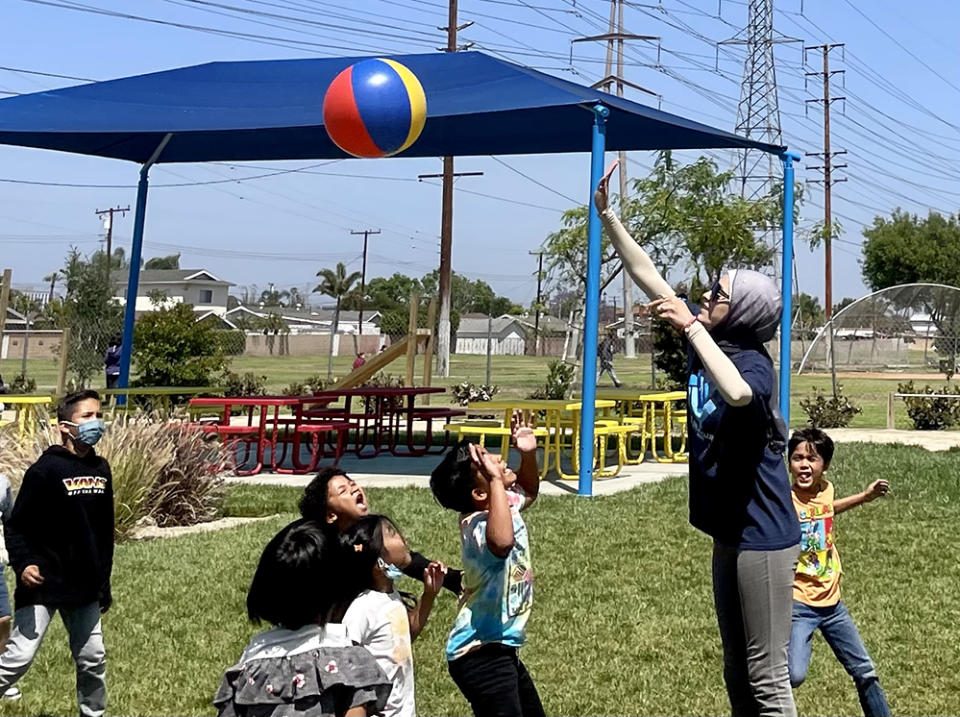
[[272, 110]]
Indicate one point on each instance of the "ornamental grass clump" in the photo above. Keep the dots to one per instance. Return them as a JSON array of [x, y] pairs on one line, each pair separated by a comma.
[[164, 473]]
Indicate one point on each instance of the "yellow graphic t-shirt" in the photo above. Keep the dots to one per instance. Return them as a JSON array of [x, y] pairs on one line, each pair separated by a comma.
[[817, 582]]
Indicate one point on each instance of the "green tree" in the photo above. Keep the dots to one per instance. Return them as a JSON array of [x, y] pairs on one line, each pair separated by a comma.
[[90, 312], [171, 348], [274, 297], [389, 293], [907, 249], [809, 314], [163, 262], [273, 326], [844, 303], [336, 284]]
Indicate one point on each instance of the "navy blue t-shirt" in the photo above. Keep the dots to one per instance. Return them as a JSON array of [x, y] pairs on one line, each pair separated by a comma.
[[739, 489]]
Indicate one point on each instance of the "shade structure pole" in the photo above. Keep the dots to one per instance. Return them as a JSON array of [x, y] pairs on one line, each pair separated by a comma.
[[786, 283], [591, 313], [133, 279]]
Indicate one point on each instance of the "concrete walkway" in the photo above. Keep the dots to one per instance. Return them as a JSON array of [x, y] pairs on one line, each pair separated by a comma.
[[388, 471]]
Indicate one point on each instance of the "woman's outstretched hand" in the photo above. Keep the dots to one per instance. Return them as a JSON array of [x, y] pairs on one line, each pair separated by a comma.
[[602, 196], [673, 310]]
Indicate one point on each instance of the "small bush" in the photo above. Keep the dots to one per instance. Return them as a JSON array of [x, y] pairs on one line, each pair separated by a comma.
[[931, 414], [559, 379], [464, 393], [243, 385], [383, 380], [307, 387], [826, 411], [23, 384]]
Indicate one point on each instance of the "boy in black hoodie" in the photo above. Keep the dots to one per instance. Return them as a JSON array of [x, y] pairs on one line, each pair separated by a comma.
[[60, 541]]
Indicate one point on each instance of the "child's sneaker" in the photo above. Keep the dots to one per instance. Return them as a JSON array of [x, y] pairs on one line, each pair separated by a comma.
[[12, 693]]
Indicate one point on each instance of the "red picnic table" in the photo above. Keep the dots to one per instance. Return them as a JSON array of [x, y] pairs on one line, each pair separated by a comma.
[[269, 429], [380, 414]]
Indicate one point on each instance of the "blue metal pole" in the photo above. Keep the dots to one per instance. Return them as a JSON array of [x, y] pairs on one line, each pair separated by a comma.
[[133, 284], [591, 314], [786, 283], [133, 279]]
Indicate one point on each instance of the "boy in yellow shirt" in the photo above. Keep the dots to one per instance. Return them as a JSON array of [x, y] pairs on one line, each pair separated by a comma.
[[816, 587]]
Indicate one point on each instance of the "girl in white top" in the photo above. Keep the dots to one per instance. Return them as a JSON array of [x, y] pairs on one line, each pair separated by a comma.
[[306, 665], [382, 619]]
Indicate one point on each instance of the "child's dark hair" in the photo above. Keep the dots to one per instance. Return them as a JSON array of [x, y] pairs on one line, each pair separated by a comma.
[[298, 580], [452, 481], [313, 502], [821, 442], [362, 545], [66, 404]]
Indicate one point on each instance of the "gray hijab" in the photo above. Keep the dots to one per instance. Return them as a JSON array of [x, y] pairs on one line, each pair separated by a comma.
[[755, 310]]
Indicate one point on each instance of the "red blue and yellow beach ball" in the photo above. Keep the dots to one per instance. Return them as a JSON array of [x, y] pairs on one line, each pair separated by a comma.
[[374, 108]]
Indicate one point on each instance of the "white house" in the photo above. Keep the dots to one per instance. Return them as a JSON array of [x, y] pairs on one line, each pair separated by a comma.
[[198, 287], [507, 335]]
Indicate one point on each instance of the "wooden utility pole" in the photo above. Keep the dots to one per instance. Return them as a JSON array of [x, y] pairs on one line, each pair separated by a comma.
[[617, 35], [363, 273], [446, 221], [4, 301], [536, 321], [109, 226], [828, 181]]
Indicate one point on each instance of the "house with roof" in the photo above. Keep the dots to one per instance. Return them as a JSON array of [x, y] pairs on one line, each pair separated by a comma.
[[199, 287], [39, 343], [508, 335]]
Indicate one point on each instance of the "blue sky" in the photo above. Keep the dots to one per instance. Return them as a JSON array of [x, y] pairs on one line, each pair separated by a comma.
[[898, 126]]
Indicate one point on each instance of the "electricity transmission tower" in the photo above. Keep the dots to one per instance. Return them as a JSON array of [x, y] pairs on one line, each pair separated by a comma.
[[758, 114]]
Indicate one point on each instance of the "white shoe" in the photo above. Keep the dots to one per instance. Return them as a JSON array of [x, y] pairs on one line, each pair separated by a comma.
[[12, 693]]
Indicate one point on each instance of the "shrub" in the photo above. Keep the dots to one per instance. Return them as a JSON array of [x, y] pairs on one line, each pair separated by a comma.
[[171, 348], [23, 384], [826, 411], [242, 385], [162, 472], [310, 385], [464, 393], [559, 380], [931, 414]]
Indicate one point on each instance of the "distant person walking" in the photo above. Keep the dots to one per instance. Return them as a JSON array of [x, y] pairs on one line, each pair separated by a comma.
[[359, 360], [112, 361], [605, 352]]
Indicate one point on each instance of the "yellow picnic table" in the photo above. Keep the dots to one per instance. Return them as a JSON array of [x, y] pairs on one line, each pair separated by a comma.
[[560, 415], [26, 407], [646, 419]]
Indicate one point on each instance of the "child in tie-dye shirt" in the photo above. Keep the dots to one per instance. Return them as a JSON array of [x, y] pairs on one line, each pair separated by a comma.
[[816, 588], [497, 574]]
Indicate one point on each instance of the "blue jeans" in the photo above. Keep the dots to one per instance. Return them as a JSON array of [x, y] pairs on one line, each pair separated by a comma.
[[841, 634]]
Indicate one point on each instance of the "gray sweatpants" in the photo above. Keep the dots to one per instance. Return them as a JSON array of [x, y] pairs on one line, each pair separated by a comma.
[[30, 624], [753, 595]]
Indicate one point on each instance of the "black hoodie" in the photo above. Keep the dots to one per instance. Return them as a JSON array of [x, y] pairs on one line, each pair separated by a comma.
[[62, 522]]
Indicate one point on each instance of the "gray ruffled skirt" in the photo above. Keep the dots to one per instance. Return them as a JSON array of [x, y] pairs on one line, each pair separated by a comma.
[[325, 682]]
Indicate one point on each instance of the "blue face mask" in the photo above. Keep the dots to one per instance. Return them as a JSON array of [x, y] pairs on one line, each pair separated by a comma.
[[390, 570], [89, 433]]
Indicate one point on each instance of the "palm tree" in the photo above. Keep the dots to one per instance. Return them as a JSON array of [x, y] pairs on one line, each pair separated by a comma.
[[53, 279], [336, 284]]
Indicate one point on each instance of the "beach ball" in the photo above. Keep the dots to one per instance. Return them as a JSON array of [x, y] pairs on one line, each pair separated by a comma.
[[374, 108]]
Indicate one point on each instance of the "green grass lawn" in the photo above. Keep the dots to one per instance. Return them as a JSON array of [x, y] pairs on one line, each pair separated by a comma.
[[623, 620]]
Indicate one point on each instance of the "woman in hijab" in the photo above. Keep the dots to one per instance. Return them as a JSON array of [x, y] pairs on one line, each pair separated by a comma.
[[739, 490]]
